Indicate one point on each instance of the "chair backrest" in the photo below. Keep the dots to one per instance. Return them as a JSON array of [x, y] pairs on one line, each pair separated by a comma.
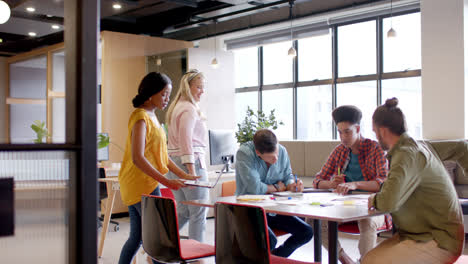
[[228, 188], [160, 231], [241, 234], [102, 185]]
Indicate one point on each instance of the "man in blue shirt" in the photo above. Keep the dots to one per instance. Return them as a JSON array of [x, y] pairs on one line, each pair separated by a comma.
[[263, 167]]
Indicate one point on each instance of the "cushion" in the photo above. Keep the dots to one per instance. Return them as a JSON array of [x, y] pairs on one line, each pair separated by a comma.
[[192, 249], [451, 167]]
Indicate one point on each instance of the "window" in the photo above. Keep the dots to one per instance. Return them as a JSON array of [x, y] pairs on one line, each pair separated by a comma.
[[277, 65], [315, 58], [404, 51], [357, 49], [314, 106], [33, 97], [305, 104], [246, 67], [281, 101], [408, 92], [244, 100], [362, 95]]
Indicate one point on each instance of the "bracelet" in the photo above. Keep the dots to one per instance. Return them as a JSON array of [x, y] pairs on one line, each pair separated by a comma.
[[276, 187]]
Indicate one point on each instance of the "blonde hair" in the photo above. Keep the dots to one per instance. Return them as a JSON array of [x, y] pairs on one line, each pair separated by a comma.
[[185, 93]]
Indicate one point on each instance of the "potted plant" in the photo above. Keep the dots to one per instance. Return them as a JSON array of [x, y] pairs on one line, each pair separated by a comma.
[[41, 131], [104, 141], [253, 122]]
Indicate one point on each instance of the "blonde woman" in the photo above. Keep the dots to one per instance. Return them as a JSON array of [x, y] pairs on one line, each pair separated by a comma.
[[187, 144]]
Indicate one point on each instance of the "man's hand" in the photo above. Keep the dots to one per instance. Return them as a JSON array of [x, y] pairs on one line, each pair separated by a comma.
[[369, 202], [292, 186], [281, 186], [190, 177], [344, 188], [337, 180]]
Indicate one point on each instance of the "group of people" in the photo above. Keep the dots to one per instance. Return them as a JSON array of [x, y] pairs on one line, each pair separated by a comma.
[[406, 177]]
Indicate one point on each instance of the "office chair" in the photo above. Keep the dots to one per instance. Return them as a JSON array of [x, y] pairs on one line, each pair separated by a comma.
[[103, 195], [241, 236], [160, 233]]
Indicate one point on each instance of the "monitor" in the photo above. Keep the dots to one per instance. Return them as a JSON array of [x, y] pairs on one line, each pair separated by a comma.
[[223, 147], [102, 153]]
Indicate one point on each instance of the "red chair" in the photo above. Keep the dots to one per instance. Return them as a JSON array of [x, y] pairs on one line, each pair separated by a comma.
[[241, 236], [353, 228], [160, 233]]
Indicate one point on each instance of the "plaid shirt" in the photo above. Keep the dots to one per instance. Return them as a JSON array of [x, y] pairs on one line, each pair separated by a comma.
[[371, 159]]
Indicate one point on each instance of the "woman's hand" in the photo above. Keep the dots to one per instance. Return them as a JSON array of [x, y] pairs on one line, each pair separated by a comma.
[[190, 177], [174, 184]]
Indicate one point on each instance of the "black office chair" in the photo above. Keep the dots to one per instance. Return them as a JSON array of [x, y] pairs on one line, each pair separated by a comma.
[[103, 195], [241, 236]]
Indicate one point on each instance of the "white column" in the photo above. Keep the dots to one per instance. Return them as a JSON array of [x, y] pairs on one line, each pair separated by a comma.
[[443, 69]]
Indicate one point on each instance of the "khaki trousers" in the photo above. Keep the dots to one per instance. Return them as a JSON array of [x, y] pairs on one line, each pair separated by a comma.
[[367, 237], [408, 251]]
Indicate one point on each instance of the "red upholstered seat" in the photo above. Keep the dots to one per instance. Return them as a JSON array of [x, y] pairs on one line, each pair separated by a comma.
[[160, 233], [192, 249]]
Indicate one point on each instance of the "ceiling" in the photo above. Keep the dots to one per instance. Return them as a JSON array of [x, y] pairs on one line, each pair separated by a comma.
[[177, 19]]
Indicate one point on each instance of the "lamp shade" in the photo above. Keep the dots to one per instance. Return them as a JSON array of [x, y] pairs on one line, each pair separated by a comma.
[[214, 63], [292, 52], [391, 33], [4, 12]]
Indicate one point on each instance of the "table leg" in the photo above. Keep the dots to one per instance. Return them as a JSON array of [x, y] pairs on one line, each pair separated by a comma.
[[317, 241], [107, 216], [332, 242]]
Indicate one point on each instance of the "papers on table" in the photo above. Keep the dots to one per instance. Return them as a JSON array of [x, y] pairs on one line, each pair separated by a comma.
[[315, 199]]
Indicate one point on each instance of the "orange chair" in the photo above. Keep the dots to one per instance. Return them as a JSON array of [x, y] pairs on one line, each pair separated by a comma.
[[228, 188]]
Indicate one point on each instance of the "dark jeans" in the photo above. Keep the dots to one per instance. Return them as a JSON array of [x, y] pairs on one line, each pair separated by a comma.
[[300, 231], [134, 242]]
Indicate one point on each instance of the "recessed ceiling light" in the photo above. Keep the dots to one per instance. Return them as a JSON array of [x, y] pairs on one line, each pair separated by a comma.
[[49, 15], [1, 40], [55, 26], [30, 9], [32, 34], [117, 6]]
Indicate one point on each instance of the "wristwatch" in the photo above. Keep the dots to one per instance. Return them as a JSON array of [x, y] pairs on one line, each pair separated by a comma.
[[276, 186]]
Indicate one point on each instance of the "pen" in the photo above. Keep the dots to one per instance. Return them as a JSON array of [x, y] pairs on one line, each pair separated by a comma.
[[338, 171], [295, 178]]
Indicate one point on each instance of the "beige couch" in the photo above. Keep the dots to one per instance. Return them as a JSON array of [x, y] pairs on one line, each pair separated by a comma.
[[308, 157]]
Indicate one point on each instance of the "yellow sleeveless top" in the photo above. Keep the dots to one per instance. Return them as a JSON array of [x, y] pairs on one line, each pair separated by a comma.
[[133, 181]]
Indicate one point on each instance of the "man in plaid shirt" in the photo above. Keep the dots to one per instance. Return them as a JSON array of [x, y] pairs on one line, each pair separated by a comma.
[[357, 163]]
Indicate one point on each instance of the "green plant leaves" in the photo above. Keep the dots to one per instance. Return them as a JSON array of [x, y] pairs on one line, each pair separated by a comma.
[[41, 131], [103, 141], [253, 122]]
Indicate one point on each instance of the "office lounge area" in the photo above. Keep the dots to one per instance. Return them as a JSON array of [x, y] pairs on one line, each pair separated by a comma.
[[441, 114]]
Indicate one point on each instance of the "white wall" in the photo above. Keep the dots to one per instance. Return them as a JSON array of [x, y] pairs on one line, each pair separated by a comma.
[[3, 85], [218, 102], [443, 69]]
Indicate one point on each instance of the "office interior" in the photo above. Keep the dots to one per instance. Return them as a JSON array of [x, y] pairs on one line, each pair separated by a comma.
[[40, 53]]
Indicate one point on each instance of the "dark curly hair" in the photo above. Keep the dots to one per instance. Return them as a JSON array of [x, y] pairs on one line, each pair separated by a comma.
[[152, 83]]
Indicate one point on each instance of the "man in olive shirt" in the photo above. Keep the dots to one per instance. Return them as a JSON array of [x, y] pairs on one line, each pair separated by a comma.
[[420, 196]]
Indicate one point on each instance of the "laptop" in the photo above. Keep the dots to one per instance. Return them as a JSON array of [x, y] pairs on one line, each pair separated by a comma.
[[204, 184]]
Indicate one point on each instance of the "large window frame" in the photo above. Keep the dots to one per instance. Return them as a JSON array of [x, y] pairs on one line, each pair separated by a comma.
[[379, 76]]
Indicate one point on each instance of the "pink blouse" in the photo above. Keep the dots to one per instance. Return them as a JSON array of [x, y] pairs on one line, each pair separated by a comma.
[[187, 134]]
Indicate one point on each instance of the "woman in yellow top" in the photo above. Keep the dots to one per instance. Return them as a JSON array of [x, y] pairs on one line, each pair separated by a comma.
[[146, 160]]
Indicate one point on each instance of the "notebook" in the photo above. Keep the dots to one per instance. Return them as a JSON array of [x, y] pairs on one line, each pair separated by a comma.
[[204, 184]]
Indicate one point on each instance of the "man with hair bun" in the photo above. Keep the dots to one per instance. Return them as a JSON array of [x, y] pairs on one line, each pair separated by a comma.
[[357, 163], [418, 193]]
